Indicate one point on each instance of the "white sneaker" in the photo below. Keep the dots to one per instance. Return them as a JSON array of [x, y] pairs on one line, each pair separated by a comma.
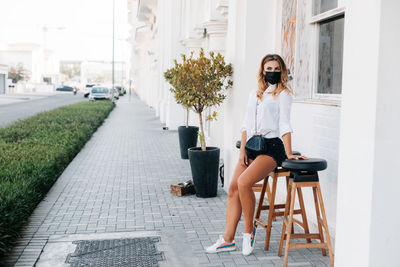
[[248, 242], [221, 245]]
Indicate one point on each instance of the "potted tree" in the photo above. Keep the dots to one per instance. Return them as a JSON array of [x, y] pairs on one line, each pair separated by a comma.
[[206, 80], [177, 77]]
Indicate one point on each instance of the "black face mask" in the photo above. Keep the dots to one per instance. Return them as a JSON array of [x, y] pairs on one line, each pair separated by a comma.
[[272, 77]]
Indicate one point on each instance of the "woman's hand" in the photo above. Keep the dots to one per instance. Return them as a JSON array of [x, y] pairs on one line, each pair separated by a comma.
[[243, 160], [296, 157]]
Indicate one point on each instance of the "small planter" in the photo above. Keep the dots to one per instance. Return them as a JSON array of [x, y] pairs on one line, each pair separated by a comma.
[[187, 139], [204, 165]]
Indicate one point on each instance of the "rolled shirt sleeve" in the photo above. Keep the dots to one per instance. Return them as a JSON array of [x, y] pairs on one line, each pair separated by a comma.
[[285, 104]]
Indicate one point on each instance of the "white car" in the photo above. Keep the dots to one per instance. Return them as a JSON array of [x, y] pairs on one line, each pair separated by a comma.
[[87, 88], [100, 93]]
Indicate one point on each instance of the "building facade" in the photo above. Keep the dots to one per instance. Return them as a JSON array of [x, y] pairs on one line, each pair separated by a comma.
[[3, 78], [41, 64], [340, 54]]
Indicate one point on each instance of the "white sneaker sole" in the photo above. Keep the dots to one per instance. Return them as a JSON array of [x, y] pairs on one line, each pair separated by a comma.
[[221, 250], [247, 254]]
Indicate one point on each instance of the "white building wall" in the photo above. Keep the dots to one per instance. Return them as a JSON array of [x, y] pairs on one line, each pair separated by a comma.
[[3, 78], [316, 134], [244, 31], [174, 116], [367, 217]]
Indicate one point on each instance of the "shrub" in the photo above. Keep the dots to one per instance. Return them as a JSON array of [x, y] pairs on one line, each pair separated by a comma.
[[33, 154], [199, 83]]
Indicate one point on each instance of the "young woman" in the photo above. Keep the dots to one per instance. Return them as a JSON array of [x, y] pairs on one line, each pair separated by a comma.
[[267, 114]]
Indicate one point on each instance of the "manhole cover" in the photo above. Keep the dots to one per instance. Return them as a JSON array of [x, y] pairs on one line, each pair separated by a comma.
[[116, 252]]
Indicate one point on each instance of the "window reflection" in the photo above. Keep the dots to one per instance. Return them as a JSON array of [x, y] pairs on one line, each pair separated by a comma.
[[321, 6], [330, 56]]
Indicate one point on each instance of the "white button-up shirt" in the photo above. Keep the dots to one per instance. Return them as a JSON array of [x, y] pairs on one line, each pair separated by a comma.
[[273, 114]]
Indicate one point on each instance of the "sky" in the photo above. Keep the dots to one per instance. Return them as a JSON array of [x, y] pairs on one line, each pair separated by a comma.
[[77, 29]]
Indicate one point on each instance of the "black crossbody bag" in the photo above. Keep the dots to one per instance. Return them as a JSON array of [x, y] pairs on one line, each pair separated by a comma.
[[256, 143]]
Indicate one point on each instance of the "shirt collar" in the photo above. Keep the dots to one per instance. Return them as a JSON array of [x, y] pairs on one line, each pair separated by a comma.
[[270, 88]]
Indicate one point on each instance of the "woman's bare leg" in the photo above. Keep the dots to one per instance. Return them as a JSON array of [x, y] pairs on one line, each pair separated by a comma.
[[234, 208], [258, 170]]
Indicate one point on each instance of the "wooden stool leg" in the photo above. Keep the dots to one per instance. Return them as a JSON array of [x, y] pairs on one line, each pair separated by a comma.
[[325, 222], [321, 234], [303, 213], [283, 233], [271, 210], [290, 224], [260, 202], [268, 191], [288, 192]]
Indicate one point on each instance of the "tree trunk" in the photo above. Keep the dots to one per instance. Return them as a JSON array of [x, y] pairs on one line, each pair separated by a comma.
[[187, 117], [202, 137]]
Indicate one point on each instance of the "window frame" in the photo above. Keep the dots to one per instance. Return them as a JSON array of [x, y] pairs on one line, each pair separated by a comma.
[[315, 21]]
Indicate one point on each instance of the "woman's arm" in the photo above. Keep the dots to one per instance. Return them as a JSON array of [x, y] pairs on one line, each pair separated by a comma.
[[287, 142], [243, 156]]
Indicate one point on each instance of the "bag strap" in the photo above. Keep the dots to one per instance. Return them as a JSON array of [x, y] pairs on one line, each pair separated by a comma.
[[255, 118]]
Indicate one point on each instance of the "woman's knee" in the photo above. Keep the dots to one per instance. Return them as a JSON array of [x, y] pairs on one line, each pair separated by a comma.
[[233, 190], [243, 183]]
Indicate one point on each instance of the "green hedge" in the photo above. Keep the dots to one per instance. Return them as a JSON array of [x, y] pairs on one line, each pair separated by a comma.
[[33, 154]]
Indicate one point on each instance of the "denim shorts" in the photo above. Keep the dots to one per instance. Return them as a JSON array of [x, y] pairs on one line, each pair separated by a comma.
[[274, 148]]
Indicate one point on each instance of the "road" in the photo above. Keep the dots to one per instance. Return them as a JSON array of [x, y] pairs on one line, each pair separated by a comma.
[[14, 111]]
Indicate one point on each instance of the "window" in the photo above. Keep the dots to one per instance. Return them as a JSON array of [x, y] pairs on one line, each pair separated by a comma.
[[47, 80], [321, 6], [330, 56], [329, 21]]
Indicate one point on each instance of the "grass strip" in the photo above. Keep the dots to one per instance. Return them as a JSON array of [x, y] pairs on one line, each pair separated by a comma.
[[33, 154]]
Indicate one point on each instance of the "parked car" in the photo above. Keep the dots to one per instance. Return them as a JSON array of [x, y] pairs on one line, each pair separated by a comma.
[[116, 93], [88, 87], [121, 90], [100, 93], [65, 88]]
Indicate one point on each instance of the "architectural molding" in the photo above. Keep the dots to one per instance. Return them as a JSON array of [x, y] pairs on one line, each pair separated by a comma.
[[193, 42], [145, 11], [197, 32], [223, 7], [216, 27]]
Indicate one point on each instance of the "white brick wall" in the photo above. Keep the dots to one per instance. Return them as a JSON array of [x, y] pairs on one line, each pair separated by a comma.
[[316, 135]]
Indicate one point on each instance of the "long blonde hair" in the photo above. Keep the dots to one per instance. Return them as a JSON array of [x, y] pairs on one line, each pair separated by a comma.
[[281, 85]]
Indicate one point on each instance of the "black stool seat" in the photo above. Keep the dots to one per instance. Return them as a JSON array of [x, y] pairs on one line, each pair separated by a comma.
[[311, 164], [305, 170]]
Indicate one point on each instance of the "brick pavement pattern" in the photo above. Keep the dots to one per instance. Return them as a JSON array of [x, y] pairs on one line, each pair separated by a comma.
[[120, 182]]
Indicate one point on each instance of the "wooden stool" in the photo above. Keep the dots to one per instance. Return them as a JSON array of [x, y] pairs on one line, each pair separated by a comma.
[[272, 207], [264, 188], [304, 173]]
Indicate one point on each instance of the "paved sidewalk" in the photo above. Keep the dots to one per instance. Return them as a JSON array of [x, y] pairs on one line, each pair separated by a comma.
[[119, 183]]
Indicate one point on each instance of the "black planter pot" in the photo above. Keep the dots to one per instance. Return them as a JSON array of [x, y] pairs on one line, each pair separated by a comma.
[[187, 139], [204, 165]]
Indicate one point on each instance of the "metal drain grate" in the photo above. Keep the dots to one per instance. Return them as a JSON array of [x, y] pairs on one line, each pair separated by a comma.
[[116, 252]]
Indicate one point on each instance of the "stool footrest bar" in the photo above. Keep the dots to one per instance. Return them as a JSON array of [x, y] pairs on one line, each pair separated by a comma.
[[261, 223], [307, 245], [277, 206], [305, 236], [281, 213], [298, 222]]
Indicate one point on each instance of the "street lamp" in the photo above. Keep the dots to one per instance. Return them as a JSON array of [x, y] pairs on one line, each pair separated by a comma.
[[113, 41]]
